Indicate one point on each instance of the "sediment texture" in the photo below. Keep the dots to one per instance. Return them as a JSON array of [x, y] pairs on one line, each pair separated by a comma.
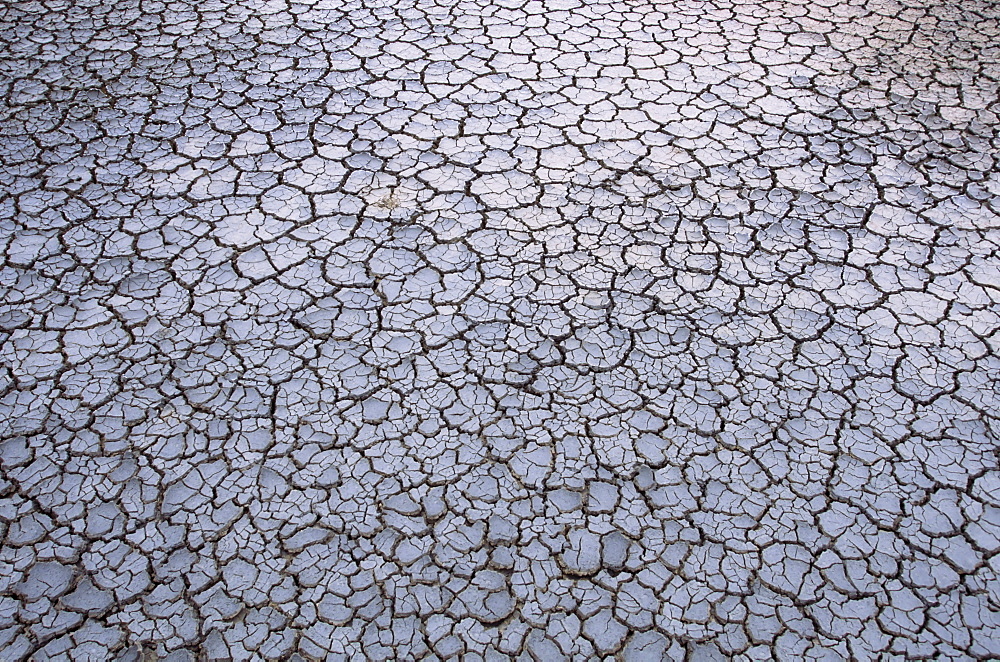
[[501, 330]]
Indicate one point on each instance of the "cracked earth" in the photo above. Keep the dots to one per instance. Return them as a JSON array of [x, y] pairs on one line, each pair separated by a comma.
[[536, 331]]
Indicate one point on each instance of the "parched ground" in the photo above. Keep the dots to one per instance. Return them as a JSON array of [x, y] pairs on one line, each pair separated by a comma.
[[549, 330]]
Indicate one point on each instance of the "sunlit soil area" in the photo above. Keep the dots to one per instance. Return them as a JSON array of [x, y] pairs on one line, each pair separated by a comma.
[[536, 331]]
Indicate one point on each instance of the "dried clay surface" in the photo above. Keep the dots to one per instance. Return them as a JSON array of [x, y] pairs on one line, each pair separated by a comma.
[[507, 330]]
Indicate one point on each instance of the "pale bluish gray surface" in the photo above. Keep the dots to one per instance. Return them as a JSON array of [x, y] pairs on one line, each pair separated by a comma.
[[501, 330]]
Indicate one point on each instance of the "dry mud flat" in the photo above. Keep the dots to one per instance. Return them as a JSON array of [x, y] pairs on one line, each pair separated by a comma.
[[536, 331]]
